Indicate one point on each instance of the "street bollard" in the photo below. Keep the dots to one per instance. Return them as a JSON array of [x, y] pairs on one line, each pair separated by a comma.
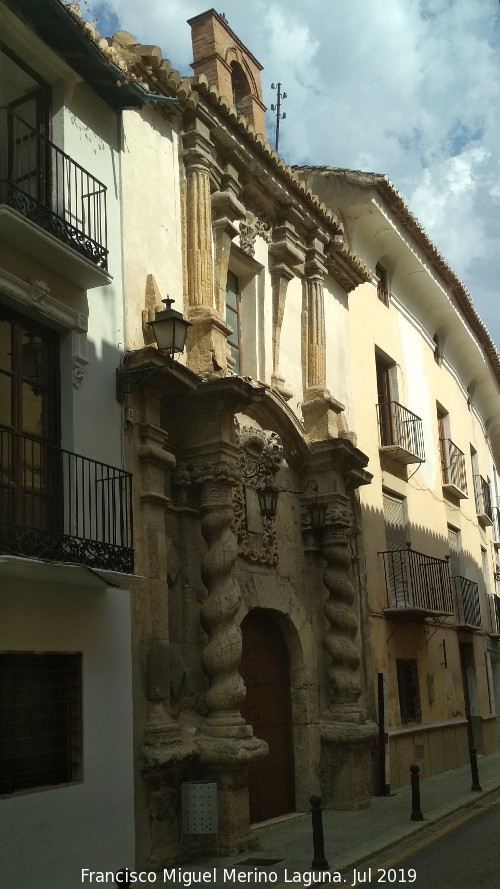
[[416, 814], [319, 861], [473, 767]]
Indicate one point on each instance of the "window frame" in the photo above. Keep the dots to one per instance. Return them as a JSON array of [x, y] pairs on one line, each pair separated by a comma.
[[234, 311]]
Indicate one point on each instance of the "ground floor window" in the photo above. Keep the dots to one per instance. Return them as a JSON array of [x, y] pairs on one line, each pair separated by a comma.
[[40, 719], [409, 698]]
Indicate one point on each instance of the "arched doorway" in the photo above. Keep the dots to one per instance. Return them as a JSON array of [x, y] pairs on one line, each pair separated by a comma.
[[267, 707]]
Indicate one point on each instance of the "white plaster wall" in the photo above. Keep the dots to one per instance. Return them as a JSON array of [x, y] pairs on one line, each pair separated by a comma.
[[88, 131], [49, 835], [152, 231], [290, 364], [338, 373]]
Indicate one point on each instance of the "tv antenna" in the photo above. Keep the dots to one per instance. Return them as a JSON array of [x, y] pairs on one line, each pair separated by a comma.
[[276, 108]]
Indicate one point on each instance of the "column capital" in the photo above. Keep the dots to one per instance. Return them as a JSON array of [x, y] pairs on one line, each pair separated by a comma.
[[286, 248], [198, 147]]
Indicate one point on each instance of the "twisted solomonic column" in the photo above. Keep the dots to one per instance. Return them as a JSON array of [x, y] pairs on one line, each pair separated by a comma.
[[222, 654], [344, 678]]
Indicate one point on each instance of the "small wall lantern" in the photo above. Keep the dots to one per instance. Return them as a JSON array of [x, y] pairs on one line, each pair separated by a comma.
[[169, 328]]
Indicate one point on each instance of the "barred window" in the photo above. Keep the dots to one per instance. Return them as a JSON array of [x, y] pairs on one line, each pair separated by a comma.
[[40, 719], [409, 698]]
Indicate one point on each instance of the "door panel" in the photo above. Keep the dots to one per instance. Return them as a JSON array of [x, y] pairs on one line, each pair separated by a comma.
[[384, 396], [267, 707]]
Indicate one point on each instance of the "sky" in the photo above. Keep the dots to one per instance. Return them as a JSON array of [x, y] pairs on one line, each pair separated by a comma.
[[409, 88]]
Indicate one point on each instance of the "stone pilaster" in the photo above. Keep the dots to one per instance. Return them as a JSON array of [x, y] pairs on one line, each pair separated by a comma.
[[207, 338], [199, 233], [315, 333], [154, 460], [161, 750], [321, 412]]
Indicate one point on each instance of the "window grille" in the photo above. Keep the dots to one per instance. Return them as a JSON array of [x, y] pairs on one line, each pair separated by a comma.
[[409, 698], [40, 720]]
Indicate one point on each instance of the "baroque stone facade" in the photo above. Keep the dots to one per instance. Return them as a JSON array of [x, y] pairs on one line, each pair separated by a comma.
[[233, 418]]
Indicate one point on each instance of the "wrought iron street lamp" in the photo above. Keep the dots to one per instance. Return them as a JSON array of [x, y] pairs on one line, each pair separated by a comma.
[[170, 329], [268, 494]]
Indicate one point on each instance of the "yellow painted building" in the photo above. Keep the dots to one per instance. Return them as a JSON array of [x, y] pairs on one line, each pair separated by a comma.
[[425, 392]]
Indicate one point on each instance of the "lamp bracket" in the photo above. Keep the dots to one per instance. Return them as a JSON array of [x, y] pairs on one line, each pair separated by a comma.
[[132, 380]]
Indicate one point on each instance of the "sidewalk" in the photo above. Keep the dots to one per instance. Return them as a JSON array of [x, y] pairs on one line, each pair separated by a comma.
[[285, 847]]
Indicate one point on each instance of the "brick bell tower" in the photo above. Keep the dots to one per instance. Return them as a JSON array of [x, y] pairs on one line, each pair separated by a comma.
[[228, 65]]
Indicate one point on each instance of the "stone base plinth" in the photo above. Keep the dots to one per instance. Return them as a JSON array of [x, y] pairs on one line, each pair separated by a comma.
[[345, 765], [226, 761], [322, 414], [207, 349], [162, 769]]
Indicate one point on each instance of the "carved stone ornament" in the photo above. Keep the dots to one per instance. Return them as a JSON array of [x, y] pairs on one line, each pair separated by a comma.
[[248, 234], [263, 227], [261, 457], [36, 293], [252, 227]]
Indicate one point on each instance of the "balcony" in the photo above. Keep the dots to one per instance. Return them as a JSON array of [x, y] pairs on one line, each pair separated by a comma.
[[401, 433], [50, 207], [453, 469], [484, 508], [468, 607], [61, 507], [494, 603], [417, 585]]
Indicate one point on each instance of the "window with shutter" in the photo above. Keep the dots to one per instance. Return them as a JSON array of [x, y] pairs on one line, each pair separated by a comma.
[[395, 539]]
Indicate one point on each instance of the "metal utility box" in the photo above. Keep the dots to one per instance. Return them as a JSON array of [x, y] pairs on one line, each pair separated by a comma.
[[199, 807]]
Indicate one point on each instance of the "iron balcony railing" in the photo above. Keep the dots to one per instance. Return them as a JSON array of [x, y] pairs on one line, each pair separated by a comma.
[[415, 580], [46, 186], [453, 466], [483, 497], [59, 506], [399, 427], [468, 607]]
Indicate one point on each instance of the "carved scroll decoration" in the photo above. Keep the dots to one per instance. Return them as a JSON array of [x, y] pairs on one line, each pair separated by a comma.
[[260, 458]]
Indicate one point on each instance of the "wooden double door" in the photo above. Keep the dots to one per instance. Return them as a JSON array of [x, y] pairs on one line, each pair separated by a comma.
[[266, 673]]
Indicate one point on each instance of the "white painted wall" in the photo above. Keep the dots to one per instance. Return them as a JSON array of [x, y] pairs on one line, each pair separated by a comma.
[[290, 364], [152, 230], [338, 360], [89, 132], [48, 835]]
